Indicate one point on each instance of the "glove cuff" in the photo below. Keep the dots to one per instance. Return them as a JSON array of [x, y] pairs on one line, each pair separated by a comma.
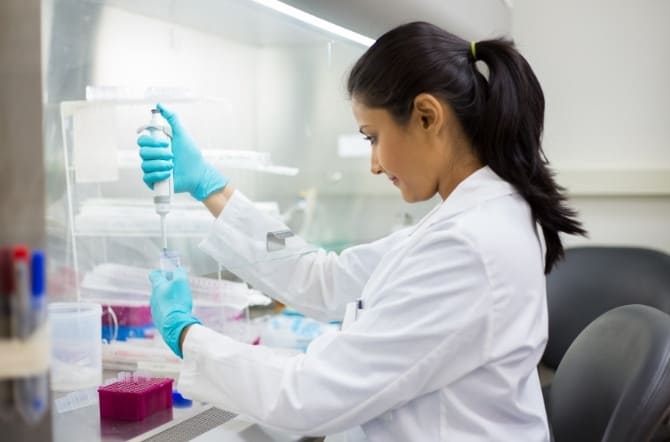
[[211, 181], [172, 336]]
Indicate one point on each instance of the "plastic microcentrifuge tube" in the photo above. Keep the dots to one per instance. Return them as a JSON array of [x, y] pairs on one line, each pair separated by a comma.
[[169, 260]]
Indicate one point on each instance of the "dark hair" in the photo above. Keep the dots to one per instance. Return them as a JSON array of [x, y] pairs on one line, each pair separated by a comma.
[[502, 115]]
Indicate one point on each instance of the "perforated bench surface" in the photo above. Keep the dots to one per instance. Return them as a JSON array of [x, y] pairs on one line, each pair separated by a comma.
[[193, 426]]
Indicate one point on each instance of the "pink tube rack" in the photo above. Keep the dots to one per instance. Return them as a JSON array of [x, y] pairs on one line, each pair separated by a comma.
[[135, 398]]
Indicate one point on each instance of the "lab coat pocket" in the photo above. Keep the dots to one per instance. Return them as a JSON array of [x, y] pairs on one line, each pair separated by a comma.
[[352, 312], [349, 315]]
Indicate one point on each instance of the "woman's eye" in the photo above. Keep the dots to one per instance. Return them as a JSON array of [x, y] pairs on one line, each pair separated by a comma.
[[371, 139]]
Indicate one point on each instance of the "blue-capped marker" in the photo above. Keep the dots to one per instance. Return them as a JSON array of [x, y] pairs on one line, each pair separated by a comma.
[[37, 286]]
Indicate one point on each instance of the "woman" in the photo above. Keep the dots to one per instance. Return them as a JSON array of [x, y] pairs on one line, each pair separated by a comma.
[[444, 322]]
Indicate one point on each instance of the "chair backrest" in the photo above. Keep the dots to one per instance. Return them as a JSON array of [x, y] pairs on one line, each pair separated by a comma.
[[613, 384], [593, 280]]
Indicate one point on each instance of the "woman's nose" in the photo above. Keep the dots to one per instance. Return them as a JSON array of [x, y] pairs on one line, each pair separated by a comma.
[[375, 167]]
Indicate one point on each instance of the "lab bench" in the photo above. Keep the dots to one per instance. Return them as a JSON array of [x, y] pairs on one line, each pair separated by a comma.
[[200, 422]]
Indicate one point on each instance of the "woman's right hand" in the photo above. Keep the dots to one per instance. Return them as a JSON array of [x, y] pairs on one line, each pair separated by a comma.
[[190, 172]]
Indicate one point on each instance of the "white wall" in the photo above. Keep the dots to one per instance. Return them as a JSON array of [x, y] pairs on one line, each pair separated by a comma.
[[182, 57], [604, 67]]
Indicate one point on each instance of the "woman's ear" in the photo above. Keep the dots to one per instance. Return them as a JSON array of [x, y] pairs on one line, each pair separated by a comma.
[[428, 112]]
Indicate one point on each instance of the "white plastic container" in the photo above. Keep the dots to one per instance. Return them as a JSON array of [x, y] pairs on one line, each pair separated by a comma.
[[76, 345]]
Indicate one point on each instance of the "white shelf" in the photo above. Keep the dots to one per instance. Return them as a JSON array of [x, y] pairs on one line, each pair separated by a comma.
[[136, 218], [69, 108], [225, 158], [110, 233]]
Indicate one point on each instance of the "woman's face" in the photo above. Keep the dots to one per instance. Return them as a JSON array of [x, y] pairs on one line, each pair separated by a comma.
[[401, 152], [427, 155]]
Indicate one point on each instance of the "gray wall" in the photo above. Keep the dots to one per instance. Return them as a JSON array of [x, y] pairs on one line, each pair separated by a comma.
[[21, 165], [21, 157]]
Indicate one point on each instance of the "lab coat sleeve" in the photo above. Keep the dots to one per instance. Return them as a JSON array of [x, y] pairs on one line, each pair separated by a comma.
[[428, 325], [309, 279]]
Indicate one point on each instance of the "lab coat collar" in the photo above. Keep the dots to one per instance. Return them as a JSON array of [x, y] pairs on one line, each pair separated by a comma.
[[482, 185]]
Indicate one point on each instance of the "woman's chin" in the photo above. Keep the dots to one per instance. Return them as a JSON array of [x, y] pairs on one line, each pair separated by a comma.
[[409, 197]]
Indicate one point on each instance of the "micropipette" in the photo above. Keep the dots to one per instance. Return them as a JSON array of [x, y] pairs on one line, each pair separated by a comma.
[[162, 189], [164, 231]]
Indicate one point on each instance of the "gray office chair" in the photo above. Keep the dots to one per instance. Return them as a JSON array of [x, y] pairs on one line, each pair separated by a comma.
[[613, 383], [593, 280]]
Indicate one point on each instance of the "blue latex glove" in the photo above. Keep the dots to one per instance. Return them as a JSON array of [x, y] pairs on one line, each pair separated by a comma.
[[191, 174], [171, 306]]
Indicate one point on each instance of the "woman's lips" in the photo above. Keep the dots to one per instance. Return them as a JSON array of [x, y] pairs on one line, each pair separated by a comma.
[[394, 180]]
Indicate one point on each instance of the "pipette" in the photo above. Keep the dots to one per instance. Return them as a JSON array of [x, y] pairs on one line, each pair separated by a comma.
[[162, 189], [163, 231]]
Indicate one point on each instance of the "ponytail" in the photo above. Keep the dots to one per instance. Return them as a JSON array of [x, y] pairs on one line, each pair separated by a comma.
[[503, 115], [508, 139]]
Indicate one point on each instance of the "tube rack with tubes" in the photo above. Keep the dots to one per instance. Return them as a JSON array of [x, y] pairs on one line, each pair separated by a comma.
[[134, 397]]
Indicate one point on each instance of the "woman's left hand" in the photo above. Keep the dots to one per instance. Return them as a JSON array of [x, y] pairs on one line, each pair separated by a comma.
[[171, 306]]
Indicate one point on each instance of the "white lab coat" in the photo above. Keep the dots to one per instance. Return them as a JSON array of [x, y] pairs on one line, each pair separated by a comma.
[[454, 322]]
